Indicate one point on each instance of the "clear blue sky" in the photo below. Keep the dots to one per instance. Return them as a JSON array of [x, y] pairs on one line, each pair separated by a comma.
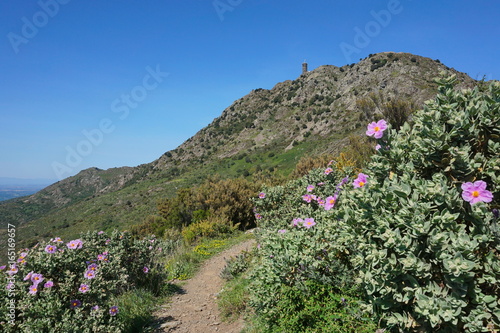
[[70, 66]]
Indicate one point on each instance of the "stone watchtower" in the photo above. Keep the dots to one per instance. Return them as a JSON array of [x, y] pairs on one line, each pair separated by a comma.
[[304, 67]]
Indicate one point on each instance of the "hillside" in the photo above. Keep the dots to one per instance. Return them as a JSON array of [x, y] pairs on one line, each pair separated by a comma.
[[266, 130]]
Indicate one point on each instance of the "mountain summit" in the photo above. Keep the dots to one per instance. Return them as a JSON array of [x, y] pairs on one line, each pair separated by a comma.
[[318, 112]]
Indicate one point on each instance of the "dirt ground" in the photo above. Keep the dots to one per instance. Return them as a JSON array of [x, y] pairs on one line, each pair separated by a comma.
[[194, 309]]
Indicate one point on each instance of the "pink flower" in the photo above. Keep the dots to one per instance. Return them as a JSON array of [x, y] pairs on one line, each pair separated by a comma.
[[33, 289], [330, 202], [13, 270], [92, 267], [262, 195], [36, 278], [309, 222], [476, 192], [328, 171], [90, 274], [295, 222], [145, 269], [258, 216], [360, 181], [50, 249], [310, 188], [377, 147], [83, 288], [48, 284], [75, 244], [28, 276], [307, 197], [320, 201], [281, 231], [57, 240], [376, 129], [113, 310]]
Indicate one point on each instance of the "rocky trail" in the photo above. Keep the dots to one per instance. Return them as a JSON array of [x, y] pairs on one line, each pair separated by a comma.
[[194, 309]]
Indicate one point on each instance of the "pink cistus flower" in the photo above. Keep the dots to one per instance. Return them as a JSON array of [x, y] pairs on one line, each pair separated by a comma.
[[476, 192], [307, 197], [75, 244], [310, 188], [295, 222], [50, 249], [281, 231], [258, 216], [28, 276], [262, 195], [83, 288], [309, 222], [48, 284], [145, 269], [90, 274], [12, 270], [328, 171], [113, 310], [36, 278], [74, 303], [92, 267], [360, 181], [377, 147], [57, 240], [376, 129], [330, 202], [33, 289]]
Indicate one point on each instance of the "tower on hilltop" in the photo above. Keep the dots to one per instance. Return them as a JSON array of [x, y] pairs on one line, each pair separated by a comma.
[[304, 67]]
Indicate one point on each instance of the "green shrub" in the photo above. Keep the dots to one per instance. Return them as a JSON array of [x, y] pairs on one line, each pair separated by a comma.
[[319, 308], [236, 265], [429, 260]]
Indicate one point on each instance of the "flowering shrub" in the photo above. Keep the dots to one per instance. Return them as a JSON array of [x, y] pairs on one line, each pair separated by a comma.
[[418, 228], [302, 245], [73, 286], [428, 244]]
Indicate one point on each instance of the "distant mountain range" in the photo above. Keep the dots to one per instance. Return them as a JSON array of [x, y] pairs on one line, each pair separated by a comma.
[[321, 111]]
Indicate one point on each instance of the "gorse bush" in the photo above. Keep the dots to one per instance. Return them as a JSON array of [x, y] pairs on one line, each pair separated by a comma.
[[428, 244], [228, 200], [72, 286]]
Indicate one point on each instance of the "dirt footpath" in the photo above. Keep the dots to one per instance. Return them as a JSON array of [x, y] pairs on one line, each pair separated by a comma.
[[194, 309]]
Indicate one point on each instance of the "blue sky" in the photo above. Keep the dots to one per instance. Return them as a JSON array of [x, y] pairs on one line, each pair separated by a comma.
[[119, 82]]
